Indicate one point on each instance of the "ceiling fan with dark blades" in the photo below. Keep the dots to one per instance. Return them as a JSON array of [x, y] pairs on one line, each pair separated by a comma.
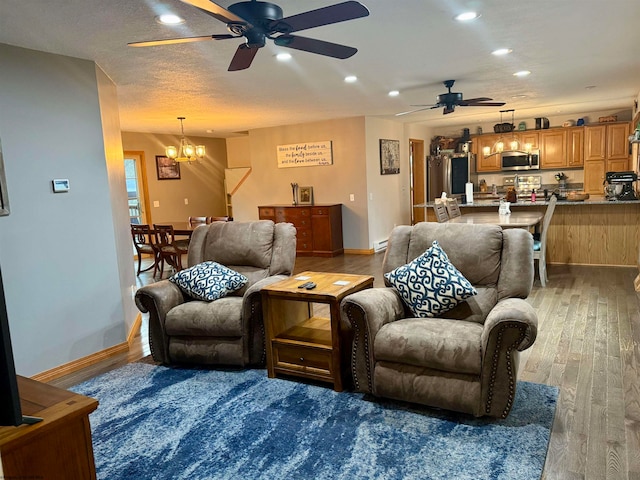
[[256, 21], [451, 100]]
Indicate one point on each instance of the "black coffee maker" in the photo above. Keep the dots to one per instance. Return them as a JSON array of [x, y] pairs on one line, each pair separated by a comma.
[[619, 185]]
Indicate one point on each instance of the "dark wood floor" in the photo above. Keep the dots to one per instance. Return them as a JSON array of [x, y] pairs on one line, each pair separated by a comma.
[[588, 345]]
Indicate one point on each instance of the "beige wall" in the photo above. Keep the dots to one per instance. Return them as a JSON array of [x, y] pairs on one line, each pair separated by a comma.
[[268, 184], [202, 182], [380, 201]]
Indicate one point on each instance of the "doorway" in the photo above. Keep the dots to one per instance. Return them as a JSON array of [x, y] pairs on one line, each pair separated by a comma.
[[418, 176], [137, 193]]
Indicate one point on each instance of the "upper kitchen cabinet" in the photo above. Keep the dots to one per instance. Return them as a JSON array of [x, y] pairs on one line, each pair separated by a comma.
[[485, 163], [575, 146], [606, 150], [553, 148], [529, 138]]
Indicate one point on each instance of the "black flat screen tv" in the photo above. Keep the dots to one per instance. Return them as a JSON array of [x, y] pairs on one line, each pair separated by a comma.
[[10, 411]]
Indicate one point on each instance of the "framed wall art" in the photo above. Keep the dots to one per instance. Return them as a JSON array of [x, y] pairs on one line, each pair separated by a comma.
[[167, 168], [389, 157], [306, 195]]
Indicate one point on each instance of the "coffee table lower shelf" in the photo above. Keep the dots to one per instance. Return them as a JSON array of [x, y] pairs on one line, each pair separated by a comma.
[[305, 350]]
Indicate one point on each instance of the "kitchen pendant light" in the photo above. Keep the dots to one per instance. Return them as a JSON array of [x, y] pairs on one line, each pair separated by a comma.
[[513, 143], [185, 152]]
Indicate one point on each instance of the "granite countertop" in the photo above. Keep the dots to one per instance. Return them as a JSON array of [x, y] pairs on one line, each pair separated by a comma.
[[524, 202]]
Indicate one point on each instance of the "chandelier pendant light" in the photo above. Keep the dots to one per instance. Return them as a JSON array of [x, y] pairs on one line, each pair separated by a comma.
[[514, 143], [185, 152]]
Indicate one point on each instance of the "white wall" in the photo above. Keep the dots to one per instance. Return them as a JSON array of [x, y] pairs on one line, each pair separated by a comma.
[[58, 252]]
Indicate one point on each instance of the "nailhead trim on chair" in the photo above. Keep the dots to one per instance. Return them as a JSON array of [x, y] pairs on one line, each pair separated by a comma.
[[494, 367], [354, 349]]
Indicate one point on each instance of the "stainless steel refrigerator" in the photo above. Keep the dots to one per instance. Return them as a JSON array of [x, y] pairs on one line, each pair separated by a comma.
[[450, 172]]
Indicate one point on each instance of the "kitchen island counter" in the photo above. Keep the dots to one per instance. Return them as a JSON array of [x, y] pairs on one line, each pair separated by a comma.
[[595, 231]]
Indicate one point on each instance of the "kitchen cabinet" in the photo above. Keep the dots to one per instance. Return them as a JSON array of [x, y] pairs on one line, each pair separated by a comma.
[[529, 137], [553, 148], [606, 150], [485, 163], [318, 227], [575, 146]]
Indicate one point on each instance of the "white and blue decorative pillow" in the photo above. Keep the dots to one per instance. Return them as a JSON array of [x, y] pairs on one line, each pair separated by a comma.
[[430, 284], [208, 281]]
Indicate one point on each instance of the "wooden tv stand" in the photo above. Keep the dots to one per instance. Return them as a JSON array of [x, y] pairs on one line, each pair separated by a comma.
[[57, 448]]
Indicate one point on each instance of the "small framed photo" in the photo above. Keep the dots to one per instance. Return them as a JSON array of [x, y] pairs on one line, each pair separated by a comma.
[[389, 157], [306, 195], [167, 168]]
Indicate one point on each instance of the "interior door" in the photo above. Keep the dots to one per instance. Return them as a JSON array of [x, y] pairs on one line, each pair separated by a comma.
[[137, 192], [418, 174]]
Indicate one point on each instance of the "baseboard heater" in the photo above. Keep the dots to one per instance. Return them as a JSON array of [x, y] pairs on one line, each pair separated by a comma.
[[380, 246]]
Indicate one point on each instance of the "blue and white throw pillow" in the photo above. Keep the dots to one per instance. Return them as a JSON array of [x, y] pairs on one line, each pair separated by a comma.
[[208, 281], [430, 284]]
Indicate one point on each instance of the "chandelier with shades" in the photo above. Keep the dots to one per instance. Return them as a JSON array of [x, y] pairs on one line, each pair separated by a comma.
[[185, 152], [513, 143]]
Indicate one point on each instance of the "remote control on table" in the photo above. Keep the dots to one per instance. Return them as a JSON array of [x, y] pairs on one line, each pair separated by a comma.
[[304, 285], [310, 286]]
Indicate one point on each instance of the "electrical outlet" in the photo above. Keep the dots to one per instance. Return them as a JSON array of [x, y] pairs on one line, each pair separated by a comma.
[[352, 197], [156, 203], [186, 201]]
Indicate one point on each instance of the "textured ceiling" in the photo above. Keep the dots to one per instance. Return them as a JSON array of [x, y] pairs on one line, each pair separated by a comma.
[[408, 45]]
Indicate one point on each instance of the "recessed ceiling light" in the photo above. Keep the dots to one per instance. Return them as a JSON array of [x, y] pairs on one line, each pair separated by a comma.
[[501, 51], [283, 56], [522, 73], [209, 130], [169, 19], [394, 93], [518, 96], [351, 79], [466, 16]]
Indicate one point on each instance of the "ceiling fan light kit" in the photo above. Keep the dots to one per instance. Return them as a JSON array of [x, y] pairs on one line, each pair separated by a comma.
[[257, 21], [185, 152]]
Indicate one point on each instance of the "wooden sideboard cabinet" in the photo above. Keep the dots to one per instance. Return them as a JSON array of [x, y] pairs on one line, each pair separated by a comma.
[[319, 227]]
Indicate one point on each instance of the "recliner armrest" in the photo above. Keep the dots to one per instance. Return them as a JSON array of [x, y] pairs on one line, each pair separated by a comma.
[[513, 310], [157, 299], [363, 314]]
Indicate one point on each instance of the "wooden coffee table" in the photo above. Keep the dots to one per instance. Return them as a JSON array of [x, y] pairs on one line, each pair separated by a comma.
[[298, 342]]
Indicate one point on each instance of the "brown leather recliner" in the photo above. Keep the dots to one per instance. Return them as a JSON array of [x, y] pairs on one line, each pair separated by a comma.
[[229, 330], [465, 359]]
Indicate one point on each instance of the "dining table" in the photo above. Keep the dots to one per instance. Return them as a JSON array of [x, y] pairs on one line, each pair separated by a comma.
[[517, 219]]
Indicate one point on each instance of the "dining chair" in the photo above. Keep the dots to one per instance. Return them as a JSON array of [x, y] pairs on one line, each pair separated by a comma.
[[168, 250], [540, 245], [441, 211], [193, 221], [143, 243], [453, 210]]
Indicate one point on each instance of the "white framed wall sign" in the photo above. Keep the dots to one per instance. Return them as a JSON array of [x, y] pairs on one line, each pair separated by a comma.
[[305, 154]]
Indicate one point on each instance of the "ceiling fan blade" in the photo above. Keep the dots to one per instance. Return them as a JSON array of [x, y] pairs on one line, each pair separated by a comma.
[[481, 104], [242, 58], [428, 107], [169, 41], [322, 16], [313, 45], [215, 11], [476, 100]]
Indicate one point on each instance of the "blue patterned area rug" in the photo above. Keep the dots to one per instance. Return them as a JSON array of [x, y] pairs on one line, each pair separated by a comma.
[[168, 423]]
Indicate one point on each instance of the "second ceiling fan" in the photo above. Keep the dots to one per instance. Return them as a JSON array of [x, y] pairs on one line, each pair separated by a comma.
[[450, 100], [256, 21]]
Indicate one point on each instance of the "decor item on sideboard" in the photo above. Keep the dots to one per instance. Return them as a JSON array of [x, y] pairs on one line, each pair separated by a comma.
[[185, 152], [294, 192], [4, 197], [389, 156], [305, 195], [167, 169]]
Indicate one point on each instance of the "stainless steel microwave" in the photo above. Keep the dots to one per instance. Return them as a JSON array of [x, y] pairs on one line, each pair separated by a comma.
[[515, 160]]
